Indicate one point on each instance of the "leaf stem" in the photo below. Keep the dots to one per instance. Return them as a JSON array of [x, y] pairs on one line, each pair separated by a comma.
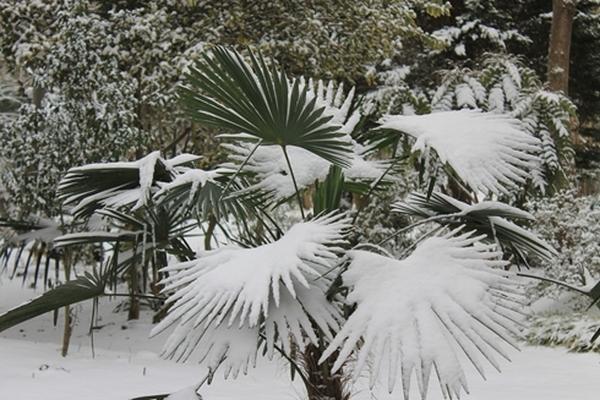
[[435, 218], [556, 282], [374, 185], [237, 172], [287, 160]]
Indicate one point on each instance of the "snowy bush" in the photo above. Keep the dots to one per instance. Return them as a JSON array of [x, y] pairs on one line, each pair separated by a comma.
[[570, 330], [571, 224], [505, 85]]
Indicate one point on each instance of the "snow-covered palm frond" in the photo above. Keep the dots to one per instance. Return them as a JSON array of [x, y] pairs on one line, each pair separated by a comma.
[[227, 299], [489, 152], [416, 314], [225, 91], [490, 218], [119, 184], [269, 166]]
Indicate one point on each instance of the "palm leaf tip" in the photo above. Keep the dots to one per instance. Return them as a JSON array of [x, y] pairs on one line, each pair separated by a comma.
[[448, 296], [489, 152], [225, 91], [238, 289]]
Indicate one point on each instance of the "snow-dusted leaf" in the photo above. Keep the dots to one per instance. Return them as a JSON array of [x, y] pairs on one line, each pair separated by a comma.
[[192, 179], [489, 152], [272, 174], [226, 298], [491, 218], [131, 184], [417, 314]]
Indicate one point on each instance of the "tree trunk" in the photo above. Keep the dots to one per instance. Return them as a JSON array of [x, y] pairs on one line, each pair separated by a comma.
[[68, 328], [212, 224], [563, 12], [38, 96], [134, 290]]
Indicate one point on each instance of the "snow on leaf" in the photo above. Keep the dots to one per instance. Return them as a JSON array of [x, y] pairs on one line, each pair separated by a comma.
[[116, 184], [273, 175], [416, 314], [268, 162], [229, 298], [194, 176], [496, 100], [488, 151], [146, 167], [465, 97]]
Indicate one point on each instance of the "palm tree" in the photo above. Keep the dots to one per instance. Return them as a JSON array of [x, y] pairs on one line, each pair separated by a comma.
[[308, 291]]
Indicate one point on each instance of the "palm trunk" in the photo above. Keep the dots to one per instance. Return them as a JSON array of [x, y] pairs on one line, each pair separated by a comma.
[[322, 385]]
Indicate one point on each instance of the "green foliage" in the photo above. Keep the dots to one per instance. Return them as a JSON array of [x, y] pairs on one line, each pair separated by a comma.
[[328, 195], [84, 287], [572, 331], [492, 219], [506, 85]]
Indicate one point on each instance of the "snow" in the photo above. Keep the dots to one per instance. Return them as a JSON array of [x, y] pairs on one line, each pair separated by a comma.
[[127, 365], [197, 178], [268, 162], [146, 167], [490, 152], [273, 175]]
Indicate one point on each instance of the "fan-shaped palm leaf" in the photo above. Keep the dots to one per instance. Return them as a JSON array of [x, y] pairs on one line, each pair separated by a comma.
[[489, 152], [225, 91], [241, 286], [270, 166], [33, 237], [272, 173], [118, 184], [487, 217], [414, 314]]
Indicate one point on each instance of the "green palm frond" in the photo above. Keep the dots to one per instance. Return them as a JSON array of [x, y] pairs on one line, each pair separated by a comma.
[[32, 239], [488, 217], [225, 91], [327, 195], [114, 185], [82, 288]]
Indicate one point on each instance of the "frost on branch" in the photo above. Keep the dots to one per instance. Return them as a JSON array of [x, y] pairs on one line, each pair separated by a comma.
[[417, 314], [489, 152], [229, 302]]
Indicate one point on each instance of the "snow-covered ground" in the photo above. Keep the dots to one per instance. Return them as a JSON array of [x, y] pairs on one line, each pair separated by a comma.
[[126, 365]]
